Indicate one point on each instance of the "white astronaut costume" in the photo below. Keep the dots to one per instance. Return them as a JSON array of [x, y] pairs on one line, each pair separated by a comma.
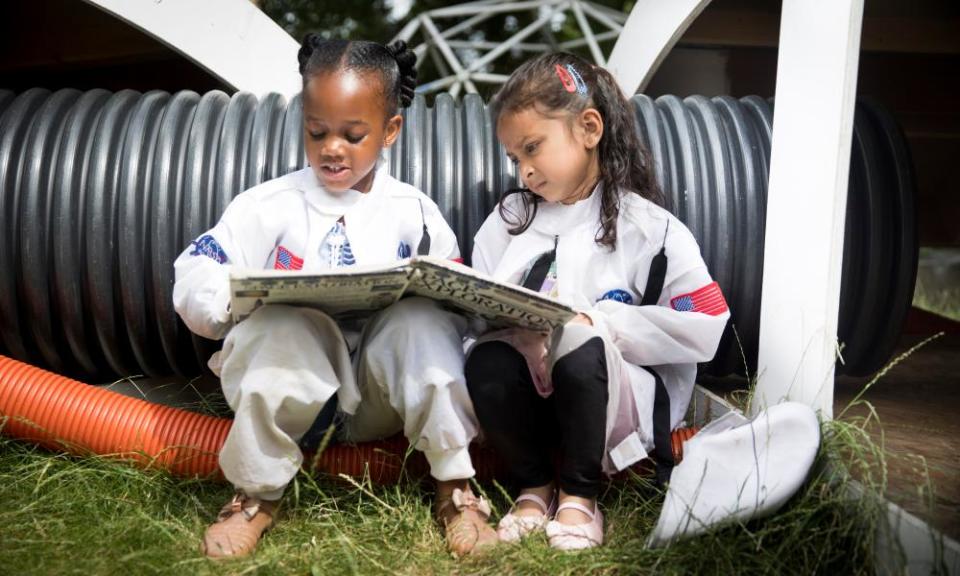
[[671, 337], [401, 370]]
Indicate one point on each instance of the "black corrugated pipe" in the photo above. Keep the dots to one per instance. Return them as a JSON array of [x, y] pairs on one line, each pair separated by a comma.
[[99, 192]]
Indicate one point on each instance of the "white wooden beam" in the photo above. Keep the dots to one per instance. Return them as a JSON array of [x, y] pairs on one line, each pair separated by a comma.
[[651, 30], [232, 39], [806, 206]]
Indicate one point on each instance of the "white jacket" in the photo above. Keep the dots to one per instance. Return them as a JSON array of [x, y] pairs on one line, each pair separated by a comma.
[[282, 224], [607, 285]]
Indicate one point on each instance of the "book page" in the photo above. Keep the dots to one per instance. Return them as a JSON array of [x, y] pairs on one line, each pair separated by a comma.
[[475, 294], [357, 292], [344, 293]]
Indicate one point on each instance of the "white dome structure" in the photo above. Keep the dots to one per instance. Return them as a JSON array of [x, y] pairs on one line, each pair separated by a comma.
[[446, 45]]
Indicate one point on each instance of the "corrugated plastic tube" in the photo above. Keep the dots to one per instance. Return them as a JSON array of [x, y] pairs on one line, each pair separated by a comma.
[[64, 414]]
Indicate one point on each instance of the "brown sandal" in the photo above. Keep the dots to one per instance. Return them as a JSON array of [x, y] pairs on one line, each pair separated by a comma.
[[238, 527], [468, 531]]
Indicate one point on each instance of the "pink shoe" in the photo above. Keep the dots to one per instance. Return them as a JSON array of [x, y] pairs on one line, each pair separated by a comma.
[[512, 527], [577, 536]]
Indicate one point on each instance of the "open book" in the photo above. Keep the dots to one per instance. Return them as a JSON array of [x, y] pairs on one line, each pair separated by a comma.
[[361, 290]]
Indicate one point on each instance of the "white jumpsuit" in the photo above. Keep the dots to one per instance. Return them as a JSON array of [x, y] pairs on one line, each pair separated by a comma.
[[400, 370], [684, 328]]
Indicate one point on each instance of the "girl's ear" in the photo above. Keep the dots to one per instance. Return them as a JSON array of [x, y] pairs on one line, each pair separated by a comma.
[[591, 123], [393, 130]]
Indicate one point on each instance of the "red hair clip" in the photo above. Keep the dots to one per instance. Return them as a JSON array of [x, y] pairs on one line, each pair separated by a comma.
[[566, 79], [571, 79]]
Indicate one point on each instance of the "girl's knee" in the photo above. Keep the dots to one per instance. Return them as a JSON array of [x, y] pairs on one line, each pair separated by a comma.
[[417, 322], [412, 309], [584, 364], [418, 316], [275, 317], [572, 337], [284, 327], [492, 360]]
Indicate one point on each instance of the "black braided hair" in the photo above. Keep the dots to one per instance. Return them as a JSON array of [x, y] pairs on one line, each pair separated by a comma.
[[624, 161], [395, 63]]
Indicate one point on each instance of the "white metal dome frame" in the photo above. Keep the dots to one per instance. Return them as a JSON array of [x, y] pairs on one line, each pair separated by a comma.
[[442, 45]]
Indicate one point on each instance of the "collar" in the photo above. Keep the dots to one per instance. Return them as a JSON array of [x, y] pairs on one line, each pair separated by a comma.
[[339, 203], [554, 218]]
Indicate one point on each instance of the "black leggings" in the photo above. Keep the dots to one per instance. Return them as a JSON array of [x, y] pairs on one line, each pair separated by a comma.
[[526, 429]]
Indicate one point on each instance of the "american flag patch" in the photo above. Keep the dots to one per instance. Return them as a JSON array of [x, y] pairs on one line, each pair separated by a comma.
[[706, 300], [286, 260]]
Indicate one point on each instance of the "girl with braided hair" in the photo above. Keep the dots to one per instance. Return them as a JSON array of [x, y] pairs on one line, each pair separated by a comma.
[[400, 370]]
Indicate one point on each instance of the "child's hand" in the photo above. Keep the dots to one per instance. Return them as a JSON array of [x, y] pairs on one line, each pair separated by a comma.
[[581, 318]]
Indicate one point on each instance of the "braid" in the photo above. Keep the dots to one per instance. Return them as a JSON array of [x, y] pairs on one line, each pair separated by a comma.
[[394, 65], [407, 64], [310, 43]]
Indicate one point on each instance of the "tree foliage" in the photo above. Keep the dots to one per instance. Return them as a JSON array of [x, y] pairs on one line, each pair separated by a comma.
[[369, 20]]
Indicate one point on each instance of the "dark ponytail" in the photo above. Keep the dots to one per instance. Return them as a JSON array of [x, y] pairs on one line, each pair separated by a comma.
[[625, 165], [309, 45], [407, 66], [394, 64]]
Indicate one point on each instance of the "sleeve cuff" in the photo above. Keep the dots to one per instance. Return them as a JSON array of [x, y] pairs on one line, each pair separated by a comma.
[[599, 320], [221, 305]]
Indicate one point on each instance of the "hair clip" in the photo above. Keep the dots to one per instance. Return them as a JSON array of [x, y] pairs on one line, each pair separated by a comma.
[[571, 79]]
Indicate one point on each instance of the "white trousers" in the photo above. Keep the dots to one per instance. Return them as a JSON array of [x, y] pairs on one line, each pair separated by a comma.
[[282, 364]]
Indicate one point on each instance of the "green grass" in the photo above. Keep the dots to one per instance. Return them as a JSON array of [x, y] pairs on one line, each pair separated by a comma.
[[942, 301], [936, 289], [68, 515]]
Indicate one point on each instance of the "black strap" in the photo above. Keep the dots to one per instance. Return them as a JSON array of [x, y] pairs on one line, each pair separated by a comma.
[[655, 278], [662, 442], [423, 248], [657, 274], [538, 272], [321, 424]]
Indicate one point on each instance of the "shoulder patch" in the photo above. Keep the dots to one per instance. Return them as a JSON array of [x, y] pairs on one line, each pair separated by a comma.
[[287, 260], [403, 250], [707, 300], [208, 246], [617, 295]]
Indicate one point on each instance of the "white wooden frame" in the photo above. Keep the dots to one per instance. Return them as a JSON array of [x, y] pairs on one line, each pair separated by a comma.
[[650, 32], [810, 160], [232, 39], [806, 204]]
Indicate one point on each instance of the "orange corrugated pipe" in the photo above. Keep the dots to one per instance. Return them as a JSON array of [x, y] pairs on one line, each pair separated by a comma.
[[63, 414]]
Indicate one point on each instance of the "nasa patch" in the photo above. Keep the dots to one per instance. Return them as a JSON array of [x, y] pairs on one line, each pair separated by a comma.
[[208, 246], [617, 295], [403, 251]]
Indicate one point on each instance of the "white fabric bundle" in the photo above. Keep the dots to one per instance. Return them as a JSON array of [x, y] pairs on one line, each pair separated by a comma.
[[738, 469]]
